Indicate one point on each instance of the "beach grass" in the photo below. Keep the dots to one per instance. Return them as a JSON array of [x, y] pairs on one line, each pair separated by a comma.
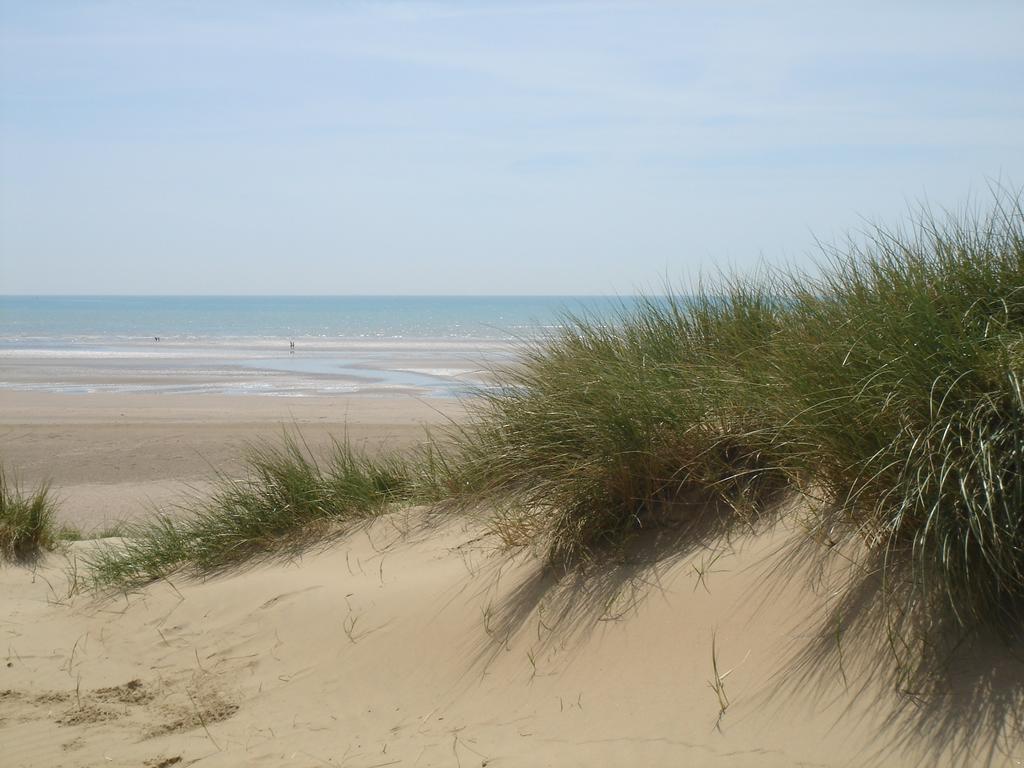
[[885, 389], [611, 427], [26, 520], [285, 499], [905, 402]]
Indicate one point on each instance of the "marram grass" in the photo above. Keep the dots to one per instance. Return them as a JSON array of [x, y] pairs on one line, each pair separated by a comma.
[[886, 388], [285, 498], [26, 521]]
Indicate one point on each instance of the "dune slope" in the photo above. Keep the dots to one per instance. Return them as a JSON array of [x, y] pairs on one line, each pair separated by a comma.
[[399, 647]]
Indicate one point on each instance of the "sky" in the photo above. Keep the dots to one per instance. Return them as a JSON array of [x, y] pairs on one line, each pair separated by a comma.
[[482, 146]]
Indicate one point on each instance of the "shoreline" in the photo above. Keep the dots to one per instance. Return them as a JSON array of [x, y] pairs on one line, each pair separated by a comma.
[[271, 366]]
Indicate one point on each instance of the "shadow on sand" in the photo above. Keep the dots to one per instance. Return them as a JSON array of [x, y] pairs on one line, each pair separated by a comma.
[[950, 695]]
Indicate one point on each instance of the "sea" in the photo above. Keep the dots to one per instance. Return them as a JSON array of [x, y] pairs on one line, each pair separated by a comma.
[[281, 346]]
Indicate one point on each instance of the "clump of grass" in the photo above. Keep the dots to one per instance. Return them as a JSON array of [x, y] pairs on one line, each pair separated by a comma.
[[605, 428], [69, 534], [26, 521], [905, 401], [286, 497], [888, 388]]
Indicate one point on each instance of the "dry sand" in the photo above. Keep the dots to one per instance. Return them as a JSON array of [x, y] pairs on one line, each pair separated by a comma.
[[409, 648], [411, 643], [113, 457]]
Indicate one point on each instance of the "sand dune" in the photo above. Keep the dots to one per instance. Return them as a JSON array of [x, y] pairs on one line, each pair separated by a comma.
[[402, 646]]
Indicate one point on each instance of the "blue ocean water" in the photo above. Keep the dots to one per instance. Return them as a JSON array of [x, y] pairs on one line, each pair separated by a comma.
[[111, 318], [430, 346]]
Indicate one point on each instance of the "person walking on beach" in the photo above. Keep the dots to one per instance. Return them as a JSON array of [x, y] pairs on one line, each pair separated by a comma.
[[291, 347]]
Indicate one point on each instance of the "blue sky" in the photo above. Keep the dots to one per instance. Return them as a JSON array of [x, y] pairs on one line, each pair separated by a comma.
[[357, 147]]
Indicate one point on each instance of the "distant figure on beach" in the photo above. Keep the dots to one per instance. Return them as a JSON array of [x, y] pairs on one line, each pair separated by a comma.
[[156, 338], [291, 347]]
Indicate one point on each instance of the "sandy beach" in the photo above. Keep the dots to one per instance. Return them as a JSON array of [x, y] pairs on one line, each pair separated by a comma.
[[418, 641], [511, 384], [116, 456], [411, 647]]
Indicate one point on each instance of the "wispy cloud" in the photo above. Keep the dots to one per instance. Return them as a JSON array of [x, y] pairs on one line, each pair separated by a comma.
[[475, 134]]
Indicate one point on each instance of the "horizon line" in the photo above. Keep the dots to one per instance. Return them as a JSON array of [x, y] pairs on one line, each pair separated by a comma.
[[316, 295]]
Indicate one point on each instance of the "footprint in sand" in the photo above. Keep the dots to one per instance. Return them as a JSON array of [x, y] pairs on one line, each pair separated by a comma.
[[197, 704]]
